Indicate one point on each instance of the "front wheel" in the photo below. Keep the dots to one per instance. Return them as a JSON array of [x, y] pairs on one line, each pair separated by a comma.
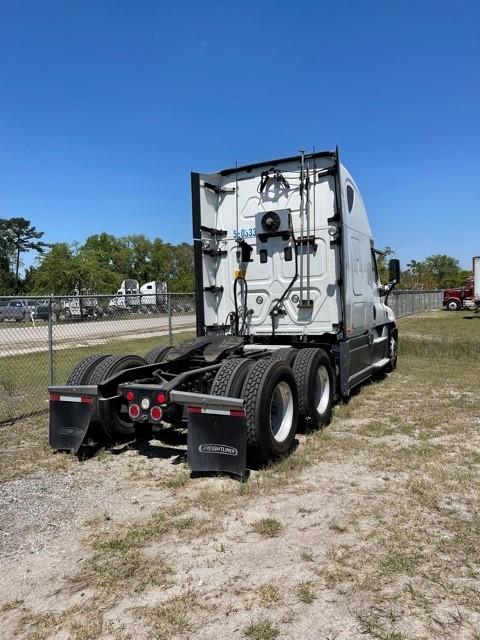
[[392, 350], [453, 305], [271, 404]]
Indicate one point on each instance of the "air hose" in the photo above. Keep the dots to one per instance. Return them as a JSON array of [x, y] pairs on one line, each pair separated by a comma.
[[240, 328], [277, 306]]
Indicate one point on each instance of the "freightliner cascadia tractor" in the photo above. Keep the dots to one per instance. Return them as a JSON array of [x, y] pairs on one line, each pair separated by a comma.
[[290, 315]]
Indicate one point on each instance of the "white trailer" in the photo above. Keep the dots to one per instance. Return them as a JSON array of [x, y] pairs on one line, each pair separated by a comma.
[[476, 280], [290, 311]]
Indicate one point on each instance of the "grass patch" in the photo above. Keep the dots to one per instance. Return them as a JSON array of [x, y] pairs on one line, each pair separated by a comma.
[[10, 606], [164, 522], [305, 592], [172, 617], [76, 623], [261, 630], [267, 527], [269, 594], [177, 480], [307, 556], [337, 527], [128, 571]]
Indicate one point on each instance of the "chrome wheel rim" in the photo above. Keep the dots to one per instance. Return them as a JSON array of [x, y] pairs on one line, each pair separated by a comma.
[[281, 411], [321, 389]]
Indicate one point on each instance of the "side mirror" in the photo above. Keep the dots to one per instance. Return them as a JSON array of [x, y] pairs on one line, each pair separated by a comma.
[[394, 270]]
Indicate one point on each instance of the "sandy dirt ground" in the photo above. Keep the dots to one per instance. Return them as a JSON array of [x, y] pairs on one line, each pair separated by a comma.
[[47, 517], [370, 529]]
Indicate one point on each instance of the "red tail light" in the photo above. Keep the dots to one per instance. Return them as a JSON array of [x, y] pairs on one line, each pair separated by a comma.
[[161, 398], [134, 410], [156, 413], [129, 395]]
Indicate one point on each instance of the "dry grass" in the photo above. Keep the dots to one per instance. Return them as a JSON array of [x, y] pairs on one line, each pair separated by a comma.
[[170, 618], [261, 630], [267, 527], [418, 564], [305, 592], [81, 623], [114, 573], [10, 606], [269, 594], [24, 449]]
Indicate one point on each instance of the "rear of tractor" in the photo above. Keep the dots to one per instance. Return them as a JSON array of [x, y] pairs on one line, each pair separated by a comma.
[[241, 406]]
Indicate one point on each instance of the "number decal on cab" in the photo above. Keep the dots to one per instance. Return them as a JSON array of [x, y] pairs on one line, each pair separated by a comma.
[[244, 233]]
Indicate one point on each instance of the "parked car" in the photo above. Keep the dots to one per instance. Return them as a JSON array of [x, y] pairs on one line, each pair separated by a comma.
[[17, 310], [41, 310]]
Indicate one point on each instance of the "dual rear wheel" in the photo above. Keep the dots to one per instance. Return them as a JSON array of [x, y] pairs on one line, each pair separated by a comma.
[[109, 417], [290, 387]]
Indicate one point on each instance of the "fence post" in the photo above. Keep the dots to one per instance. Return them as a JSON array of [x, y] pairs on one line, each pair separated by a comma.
[[50, 342], [170, 336]]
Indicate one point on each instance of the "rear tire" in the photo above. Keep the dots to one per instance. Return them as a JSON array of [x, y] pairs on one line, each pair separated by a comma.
[[271, 404], [81, 372], [286, 354], [316, 385], [113, 415], [157, 354], [230, 377]]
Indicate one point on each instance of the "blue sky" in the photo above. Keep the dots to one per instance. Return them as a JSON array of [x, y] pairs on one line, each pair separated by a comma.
[[106, 106]]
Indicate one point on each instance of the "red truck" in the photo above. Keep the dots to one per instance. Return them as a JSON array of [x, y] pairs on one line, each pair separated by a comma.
[[468, 296]]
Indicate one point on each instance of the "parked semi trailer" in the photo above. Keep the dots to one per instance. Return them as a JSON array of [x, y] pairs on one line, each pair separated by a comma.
[[290, 314]]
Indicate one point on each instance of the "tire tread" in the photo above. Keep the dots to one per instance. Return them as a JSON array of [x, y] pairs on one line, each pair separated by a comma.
[[157, 354], [81, 372], [226, 376]]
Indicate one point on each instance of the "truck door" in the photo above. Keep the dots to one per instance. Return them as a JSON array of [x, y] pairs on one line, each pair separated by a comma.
[[358, 286]]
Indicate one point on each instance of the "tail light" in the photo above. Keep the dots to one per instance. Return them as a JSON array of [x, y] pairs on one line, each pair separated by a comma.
[[156, 413], [134, 410], [129, 395]]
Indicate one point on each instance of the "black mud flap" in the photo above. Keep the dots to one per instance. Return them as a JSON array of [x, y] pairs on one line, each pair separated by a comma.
[[69, 420], [217, 441]]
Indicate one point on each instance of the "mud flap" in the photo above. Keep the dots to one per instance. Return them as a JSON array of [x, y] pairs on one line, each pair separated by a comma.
[[217, 441], [69, 420]]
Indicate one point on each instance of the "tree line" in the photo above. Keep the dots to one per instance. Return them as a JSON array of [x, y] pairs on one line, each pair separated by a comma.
[[97, 265], [101, 263], [438, 271]]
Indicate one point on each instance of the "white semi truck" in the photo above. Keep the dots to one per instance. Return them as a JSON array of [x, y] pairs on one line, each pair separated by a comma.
[[127, 295], [290, 315], [154, 294], [149, 296]]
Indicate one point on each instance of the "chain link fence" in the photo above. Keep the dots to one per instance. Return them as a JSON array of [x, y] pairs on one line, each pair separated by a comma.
[[42, 339]]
